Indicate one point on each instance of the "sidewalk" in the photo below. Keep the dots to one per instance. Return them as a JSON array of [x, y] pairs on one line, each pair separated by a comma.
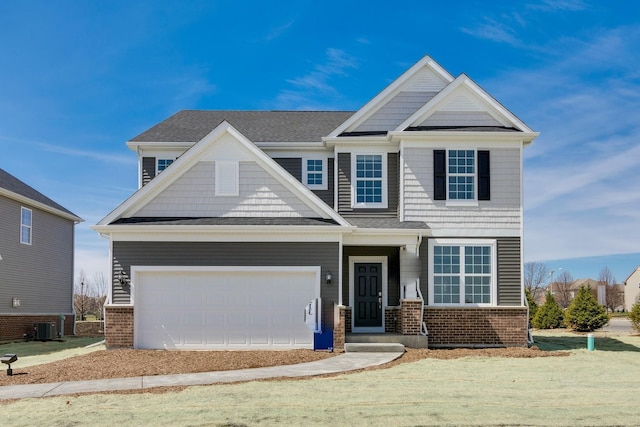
[[342, 363]]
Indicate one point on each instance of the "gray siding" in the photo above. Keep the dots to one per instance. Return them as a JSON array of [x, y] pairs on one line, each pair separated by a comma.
[[509, 271], [294, 167], [148, 169], [344, 187], [393, 265], [325, 255], [40, 275]]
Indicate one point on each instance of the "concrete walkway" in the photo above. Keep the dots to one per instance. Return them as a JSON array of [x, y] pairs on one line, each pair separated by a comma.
[[342, 363]]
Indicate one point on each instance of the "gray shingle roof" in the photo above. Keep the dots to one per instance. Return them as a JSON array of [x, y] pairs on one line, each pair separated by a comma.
[[258, 126], [386, 223], [13, 184]]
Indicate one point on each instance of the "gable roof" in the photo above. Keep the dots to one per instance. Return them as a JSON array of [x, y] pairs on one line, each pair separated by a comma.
[[426, 74], [196, 153], [257, 126], [13, 188]]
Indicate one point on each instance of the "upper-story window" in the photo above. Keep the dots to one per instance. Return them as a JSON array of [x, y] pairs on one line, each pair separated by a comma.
[[370, 181], [314, 173], [163, 164], [462, 272], [26, 222], [461, 175]]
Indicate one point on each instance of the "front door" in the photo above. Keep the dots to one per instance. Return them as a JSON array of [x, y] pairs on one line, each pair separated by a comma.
[[367, 307]]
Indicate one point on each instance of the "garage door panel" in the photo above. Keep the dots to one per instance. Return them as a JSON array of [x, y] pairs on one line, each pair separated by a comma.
[[223, 309]]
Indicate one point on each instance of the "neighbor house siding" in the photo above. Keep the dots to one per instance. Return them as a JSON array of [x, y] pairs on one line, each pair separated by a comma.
[[324, 255], [193, 195], [502, 211], [344, 187], [40, 275]]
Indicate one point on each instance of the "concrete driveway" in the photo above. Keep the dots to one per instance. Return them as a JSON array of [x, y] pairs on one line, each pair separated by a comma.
[[619, 326]]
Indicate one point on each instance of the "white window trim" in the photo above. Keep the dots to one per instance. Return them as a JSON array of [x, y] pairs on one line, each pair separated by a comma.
[[385, 190], [305, 172], [228, 170], [465, 242], [463, 202], [29, 226], [158, 163]]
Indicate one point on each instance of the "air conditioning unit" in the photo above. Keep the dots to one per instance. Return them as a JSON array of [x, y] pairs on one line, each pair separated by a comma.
[[45, 330]]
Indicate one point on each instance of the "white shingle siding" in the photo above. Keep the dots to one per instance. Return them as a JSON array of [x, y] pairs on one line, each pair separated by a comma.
[[192, 195], [460, 118], [424, 80], [501, 212], [394, 112]]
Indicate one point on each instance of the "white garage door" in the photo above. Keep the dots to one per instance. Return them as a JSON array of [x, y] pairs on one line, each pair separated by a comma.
[[222, 307]]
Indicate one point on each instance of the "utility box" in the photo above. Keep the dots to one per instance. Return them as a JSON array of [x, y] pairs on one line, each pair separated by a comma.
[[45, 331], [323, 340]]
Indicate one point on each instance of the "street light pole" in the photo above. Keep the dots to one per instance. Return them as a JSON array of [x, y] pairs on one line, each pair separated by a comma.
[[82, 300]]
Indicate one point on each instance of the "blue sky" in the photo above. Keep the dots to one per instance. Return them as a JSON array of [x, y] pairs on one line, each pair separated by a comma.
[[78, 79]]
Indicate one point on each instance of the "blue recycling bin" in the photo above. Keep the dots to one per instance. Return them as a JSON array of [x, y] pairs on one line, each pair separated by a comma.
[[323, 340]]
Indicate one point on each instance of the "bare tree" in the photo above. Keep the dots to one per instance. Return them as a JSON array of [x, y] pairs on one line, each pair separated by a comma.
[[536, 275], [613, 297], [562, 289], [100, 290], [81, 287]]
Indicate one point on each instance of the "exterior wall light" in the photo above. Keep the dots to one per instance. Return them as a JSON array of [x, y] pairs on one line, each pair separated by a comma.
[[15, 303], [328, 277]]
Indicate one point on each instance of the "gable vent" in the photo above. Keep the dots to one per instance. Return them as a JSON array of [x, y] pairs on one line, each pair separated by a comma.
[[227, 177]]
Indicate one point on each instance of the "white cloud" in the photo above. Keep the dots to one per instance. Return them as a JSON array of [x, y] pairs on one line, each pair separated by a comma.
[[314, 90]]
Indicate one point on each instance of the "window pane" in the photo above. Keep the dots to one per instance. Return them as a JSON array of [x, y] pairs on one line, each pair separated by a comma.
[[369, 178]]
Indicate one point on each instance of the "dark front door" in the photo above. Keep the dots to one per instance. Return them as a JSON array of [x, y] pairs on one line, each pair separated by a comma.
[[367, 295]]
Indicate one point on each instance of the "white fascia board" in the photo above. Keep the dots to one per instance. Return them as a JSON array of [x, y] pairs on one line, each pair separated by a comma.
[[476, 139], [34, 204], [176, 233], [395, 237], [346, 144], [371, 106], [136, 145], [291, 146]]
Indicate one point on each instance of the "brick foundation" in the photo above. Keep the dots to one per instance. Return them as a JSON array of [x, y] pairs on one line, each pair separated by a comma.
[[392, 320], [15, 327], [410, 315], [476, 327], [339, 329], [118, 326]]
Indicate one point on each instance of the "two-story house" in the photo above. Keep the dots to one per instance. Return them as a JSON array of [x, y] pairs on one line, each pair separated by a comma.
[[36, 260], [401, 219]]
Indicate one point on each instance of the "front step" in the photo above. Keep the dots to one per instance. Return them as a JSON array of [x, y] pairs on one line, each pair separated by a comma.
[[355, 347], [411, 341]]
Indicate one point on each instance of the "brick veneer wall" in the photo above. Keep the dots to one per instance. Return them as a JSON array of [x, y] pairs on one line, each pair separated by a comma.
[[118, 326], [392, 320], [410, 314], [15, 327], [347, 320], [476, 327], [339, 329]]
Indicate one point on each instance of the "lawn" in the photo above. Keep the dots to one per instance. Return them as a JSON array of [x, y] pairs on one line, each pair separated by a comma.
[[587, 388]]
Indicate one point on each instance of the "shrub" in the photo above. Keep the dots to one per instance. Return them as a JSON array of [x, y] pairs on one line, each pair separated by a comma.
[[549, 315], [585, 314], [533, 307], [634, 316]]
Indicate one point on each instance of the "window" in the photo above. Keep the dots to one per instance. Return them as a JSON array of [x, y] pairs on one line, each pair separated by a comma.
[[314, 173], [462, 272], [461, 175], [163, 164], [370, 180], [25, 226]]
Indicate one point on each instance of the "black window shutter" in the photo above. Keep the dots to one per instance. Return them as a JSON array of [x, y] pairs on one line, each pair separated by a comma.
[[484, 176], [439, 175]]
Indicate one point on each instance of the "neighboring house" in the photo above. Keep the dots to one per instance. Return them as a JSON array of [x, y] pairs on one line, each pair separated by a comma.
[[632, 289], [565, 292], [36, 266], [404, 217]]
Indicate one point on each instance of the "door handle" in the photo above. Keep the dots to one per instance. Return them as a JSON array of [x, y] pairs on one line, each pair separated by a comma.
[[379, 302]]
